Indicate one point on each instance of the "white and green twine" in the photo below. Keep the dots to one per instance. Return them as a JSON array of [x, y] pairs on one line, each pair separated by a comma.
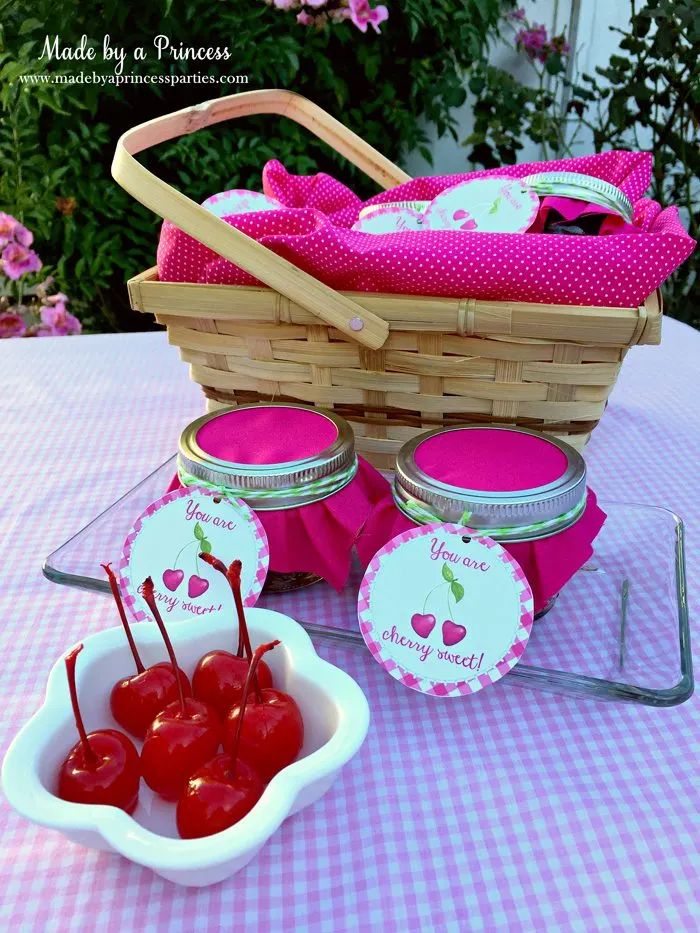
[[424, 516], [319, 488]]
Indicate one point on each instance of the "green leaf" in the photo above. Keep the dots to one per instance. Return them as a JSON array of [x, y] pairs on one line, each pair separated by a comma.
[[28, 26], [447, 573], [457, 590], [205, 546], [554, 64], [618, 109], [198, 532]]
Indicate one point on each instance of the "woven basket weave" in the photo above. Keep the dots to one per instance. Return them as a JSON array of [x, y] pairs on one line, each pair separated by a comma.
[[393, 365]]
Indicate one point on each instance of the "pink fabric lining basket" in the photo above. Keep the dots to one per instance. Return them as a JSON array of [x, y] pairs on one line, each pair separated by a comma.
[[406, 332]]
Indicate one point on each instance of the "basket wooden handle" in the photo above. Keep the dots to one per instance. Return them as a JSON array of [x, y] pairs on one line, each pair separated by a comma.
[[335, 309]]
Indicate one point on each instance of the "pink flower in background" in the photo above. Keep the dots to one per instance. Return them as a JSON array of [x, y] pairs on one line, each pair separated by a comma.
[[533, 42], [40, 315], [319, 12], [17, 260], [11, 325], [517, 16], [23, 236], [59, 299], [12, 230], [7, 228], [44, 330], [57, 316], [363, 15]]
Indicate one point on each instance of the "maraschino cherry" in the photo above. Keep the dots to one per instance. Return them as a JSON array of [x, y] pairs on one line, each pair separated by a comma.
[[271, 732], [220, 793], [135, 701], [103, 767], [182, 736], [220, 676]]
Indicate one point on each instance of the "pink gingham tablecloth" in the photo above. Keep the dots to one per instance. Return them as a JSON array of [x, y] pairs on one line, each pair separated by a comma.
[[512, 810]]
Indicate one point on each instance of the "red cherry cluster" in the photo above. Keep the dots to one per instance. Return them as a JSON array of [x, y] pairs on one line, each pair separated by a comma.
[[232, 702]]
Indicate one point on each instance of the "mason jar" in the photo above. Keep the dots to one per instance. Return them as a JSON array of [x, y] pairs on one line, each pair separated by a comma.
[[525, 489], [283, 460]]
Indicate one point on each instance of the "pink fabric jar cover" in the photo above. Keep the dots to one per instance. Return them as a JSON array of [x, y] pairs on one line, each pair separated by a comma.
[[312, 230], [314, 538], [505, 461]]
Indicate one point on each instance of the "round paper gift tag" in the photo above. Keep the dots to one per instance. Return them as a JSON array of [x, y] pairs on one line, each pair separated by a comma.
[[494, 204], [165, 543], [239, 201], [444, 611], [389, 220]]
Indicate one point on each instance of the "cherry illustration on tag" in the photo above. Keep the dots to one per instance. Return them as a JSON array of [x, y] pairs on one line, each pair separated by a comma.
[[166, 544], [445, 611]]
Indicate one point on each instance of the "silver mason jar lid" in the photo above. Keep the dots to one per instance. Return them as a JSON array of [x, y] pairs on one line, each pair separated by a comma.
[[521, 515], [271, 486], [583, 188]]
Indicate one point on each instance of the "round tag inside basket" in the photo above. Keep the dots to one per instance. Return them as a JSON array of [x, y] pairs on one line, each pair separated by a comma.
[[239, 201], [493, 204], [390, 220]]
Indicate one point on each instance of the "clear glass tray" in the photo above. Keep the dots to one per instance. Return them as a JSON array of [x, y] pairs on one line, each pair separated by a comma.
[[619, 629]]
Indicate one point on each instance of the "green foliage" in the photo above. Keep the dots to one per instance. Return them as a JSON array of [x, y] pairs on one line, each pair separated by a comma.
[[57, 141], [648, 98]]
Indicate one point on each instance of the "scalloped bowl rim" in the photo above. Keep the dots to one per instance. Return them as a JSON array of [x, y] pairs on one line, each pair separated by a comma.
[[28, 795]]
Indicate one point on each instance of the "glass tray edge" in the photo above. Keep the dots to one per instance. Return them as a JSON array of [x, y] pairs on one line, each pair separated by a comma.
[[523, 675]]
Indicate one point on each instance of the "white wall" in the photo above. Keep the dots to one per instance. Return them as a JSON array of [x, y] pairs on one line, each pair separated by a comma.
[[595, 45]]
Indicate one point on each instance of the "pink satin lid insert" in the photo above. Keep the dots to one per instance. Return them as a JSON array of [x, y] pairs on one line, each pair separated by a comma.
[[266, 435], [490, 460]]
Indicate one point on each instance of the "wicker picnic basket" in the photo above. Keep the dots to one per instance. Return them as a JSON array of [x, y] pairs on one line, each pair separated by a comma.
[[393, 365]]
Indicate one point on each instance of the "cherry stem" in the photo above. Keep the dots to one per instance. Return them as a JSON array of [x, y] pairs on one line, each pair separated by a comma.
[[120, 606], [250, 679], [149, 596], [233, 575], [90, 756], [221, 567]]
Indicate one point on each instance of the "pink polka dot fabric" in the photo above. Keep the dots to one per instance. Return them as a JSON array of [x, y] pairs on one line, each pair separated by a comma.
[[313, 232]]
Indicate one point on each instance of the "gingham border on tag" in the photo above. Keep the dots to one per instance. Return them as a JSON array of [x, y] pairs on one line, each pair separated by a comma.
[[425, 685], [129, 595]]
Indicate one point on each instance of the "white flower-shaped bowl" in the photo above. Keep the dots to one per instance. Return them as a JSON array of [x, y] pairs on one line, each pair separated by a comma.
[[336, 719]]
